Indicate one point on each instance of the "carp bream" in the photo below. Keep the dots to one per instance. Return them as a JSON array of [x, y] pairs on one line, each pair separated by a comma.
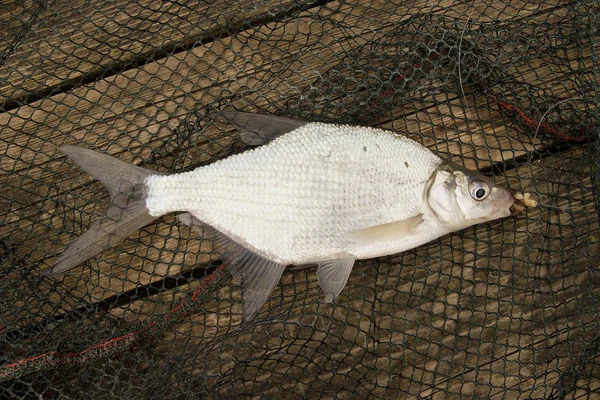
[[312, 193]]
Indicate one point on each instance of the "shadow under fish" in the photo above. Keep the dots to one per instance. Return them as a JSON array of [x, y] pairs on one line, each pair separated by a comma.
[[312, 193]]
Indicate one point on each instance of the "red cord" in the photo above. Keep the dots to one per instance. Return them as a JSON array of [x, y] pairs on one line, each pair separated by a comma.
[[504, 105], [55, 359], [531, 123]]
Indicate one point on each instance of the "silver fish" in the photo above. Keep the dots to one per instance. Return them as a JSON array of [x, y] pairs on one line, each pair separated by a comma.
[[313, 193]]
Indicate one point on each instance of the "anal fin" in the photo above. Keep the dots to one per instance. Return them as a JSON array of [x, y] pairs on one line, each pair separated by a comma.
[[257, 275]]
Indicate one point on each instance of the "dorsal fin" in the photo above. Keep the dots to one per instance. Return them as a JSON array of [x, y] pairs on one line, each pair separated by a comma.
[[257, 129]]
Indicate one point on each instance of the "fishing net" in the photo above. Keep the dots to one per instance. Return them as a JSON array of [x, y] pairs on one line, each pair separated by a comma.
[[508, 309]]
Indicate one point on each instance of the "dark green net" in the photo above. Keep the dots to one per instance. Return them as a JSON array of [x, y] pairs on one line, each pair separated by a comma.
[[508, 309]]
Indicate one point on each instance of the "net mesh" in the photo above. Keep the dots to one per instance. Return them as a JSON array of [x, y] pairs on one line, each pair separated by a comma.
[[508, 309]]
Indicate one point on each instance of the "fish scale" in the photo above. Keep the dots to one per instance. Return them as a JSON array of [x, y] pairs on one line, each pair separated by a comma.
[[320, 181]]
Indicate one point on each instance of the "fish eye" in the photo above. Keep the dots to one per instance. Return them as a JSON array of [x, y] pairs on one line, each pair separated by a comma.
[[479, 190]]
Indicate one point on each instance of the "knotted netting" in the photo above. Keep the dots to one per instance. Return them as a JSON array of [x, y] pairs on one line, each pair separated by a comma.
[[507, 309]]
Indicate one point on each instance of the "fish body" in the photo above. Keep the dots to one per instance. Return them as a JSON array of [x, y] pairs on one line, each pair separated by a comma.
[[312, 193], [298, 199]]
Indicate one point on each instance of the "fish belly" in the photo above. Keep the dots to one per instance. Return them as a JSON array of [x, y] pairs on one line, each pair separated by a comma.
[[296, 199]]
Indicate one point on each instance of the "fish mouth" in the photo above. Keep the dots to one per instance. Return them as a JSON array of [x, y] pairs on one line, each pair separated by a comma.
[[517, 207], [504, 202]]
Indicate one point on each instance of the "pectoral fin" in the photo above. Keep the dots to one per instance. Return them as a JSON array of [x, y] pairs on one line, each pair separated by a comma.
[[333, 275], [391, 231], [257, 129], [257, 275]]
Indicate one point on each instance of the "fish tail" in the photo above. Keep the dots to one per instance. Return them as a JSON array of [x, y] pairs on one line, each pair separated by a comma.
[[126, 212]]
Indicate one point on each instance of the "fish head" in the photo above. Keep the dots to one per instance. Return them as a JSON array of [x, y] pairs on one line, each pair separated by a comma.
[[460, 198]]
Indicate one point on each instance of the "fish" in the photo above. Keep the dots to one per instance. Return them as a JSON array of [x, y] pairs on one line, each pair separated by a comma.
[[308, 193]]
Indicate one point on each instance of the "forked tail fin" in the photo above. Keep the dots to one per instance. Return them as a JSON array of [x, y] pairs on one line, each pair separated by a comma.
[[126, 213]]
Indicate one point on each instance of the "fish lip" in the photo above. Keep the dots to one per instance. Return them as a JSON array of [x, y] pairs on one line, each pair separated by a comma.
[[516, 206], [505, 207]]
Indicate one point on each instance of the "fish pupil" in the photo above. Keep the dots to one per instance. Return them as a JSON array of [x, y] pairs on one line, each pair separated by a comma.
[[480, 193]]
